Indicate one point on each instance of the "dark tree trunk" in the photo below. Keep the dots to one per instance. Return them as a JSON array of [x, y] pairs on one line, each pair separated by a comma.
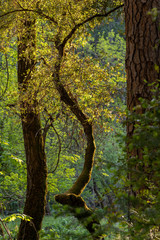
[[142, 50], [32, 133], [142, 57]]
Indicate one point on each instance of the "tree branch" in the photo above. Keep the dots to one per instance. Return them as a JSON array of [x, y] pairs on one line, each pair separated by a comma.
[[39, 12], [6, 87], [6, 229], [77, 26], [85, 175], [59, 140], [59, 151]]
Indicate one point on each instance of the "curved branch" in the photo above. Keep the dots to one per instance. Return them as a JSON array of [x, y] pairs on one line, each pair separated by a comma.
[[77, 26], [39, 12], [72, 197], [85, 176], [59, 140], [45, 130]]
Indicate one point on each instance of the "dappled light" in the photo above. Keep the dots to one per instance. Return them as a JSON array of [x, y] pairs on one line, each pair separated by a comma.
[[80, 120]]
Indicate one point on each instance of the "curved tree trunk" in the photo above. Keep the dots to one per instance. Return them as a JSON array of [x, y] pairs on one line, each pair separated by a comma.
[[33, 138], [72, 197]]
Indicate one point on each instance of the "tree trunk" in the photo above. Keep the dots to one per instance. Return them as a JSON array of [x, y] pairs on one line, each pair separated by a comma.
[[72, 197], [142, 59], [32, 133], [142, 51]]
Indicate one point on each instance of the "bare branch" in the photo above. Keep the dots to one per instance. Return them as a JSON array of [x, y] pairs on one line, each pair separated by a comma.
[[1, 97], [59, 140], [6, 229], [39, 12], [59, 151], [45, 130], [19, 4]]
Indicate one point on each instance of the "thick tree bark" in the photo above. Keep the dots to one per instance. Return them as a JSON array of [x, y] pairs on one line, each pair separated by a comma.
[[142, 51], [142, 57], [33, 138]]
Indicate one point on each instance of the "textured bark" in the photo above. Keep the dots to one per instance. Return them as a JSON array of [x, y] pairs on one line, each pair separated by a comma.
[[142, 50], [33, 139], [142, 55]]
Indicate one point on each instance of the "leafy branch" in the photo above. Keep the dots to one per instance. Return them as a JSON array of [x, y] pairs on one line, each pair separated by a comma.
[[77, 26], [13, 217]]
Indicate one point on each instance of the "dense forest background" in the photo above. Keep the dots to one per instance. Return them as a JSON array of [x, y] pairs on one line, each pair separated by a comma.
[[91, 69]]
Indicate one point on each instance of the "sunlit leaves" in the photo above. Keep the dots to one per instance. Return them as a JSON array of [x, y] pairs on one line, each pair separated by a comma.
[[84, 78], [13, 217], [17, 159]]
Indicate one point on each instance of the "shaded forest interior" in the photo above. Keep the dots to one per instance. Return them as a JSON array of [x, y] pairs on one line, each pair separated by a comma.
[[79, 122]]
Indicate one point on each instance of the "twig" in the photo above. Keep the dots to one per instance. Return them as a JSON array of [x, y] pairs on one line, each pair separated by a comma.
[[39, 12], [59, 151], [59, 140], [6, 229], [7, 78], [19, 4]]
